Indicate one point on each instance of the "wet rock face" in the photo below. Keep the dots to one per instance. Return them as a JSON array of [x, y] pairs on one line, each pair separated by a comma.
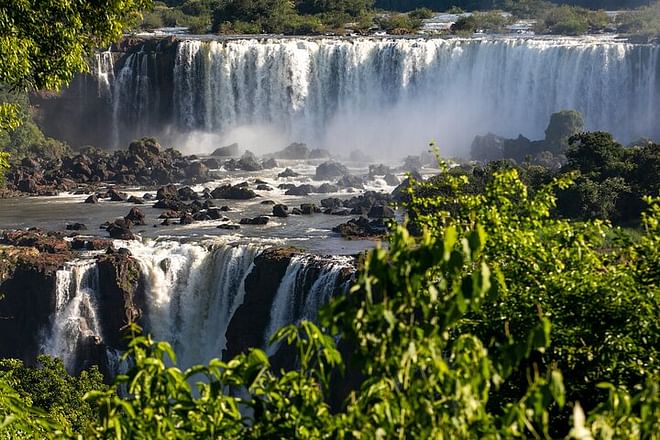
[[119, 296], [28, 282], [251, 319]]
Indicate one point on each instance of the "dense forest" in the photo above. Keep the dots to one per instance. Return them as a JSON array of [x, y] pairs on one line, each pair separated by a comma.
[[398, 16]]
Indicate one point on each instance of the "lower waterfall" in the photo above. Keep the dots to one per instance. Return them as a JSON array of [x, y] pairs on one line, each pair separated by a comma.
[[191, 293], [292, 303], [188, 293], [76, 317]]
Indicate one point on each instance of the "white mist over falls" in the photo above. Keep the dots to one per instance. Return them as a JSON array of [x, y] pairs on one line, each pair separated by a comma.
[[377, 95]]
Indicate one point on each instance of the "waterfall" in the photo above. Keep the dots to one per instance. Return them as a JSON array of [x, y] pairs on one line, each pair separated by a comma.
[[75, 318], [388, 93], [191, 293], [293, 302]]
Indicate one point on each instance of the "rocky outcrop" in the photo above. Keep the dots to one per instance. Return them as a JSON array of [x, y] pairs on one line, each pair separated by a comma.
[[27, 282], [143, 163], [119, 300], [251, 319]]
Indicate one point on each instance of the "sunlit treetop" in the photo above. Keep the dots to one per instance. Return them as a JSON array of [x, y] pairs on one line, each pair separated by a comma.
[[43, 43]]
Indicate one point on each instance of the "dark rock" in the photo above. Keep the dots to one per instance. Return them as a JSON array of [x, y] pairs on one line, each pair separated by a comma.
[[331, 203], [174, 205], [269, 164], [186, 219], [92, 199], [120, 229], [229, 226], [340, 211], [330, 170], [280, 210], [295, 151], [309, 208], [263, 187], [95, 244], [166, 192], [319, 153], [379, 170], [392, 180], [225, 208], [76, 227], [296, 211], [360, 227], [28, 185], [248, 162], [214, 213], [197, 170], [327, 188], [236, 192], [288, 173], [135, 216], [135, 200], [148, 196], [302, 190], [351, 181], [267, 202], [259, 220], [228, 151], [380, 211], [212, 164], [286, 185], [412, 163], [117, 196], [187, 194], [144, 148]]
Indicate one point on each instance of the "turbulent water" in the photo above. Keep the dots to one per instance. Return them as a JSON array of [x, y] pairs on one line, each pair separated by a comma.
[[385, 93], [75, 317], [191, 292], [291, 304]]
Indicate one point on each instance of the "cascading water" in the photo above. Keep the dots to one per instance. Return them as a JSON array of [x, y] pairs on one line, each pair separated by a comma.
[[338, 92], [191, 293], [76, 317], [293, 303]]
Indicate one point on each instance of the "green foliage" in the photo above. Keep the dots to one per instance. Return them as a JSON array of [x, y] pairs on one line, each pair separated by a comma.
[[562, 126], [398, 24], [571, 20], [288, 17], [44, 42], [492, 21], [24, 138], [50, 388], [421, 13], [642, 21]]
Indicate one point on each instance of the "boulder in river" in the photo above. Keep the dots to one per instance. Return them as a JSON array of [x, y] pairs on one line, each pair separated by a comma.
[[288, 172], [76, 227], [135, 216], [92, 199], [330, 170], [236, 192], [121, 229], [227, 151], [302, 190], [381, 211], [295, 151], [280, 210], [259, 220]]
